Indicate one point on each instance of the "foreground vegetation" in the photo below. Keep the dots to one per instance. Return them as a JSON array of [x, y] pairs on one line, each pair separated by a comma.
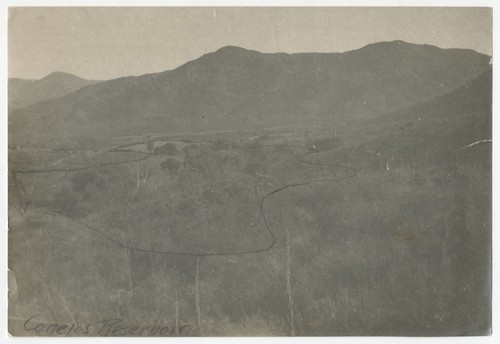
[[399, 248]]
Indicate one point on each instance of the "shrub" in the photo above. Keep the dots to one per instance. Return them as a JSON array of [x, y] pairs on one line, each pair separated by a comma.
[[171, 165]]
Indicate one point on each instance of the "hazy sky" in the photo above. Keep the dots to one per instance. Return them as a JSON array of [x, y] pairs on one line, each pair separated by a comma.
[[105, 43]]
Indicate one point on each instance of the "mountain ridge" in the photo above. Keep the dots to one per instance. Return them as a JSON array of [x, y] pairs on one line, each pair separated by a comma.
[[235, 88]]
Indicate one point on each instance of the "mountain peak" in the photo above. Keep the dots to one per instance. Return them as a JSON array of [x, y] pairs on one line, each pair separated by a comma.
[[394, 43], [60, 75], [234, 50], [230, 48], [398, 41], [25, 92]]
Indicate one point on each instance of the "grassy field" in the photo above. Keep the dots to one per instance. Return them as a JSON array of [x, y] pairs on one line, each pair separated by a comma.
[[292, 232]]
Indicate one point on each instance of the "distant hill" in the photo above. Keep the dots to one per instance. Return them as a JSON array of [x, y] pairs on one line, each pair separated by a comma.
[[239, 89], [24, 92]]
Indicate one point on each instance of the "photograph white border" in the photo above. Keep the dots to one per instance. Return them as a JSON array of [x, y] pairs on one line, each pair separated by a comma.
[[5, 337]]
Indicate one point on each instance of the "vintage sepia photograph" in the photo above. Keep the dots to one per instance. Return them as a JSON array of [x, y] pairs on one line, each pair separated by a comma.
[[249, 171]]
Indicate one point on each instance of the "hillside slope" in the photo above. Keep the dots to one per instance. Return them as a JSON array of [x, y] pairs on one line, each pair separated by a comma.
[[453, 126]]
